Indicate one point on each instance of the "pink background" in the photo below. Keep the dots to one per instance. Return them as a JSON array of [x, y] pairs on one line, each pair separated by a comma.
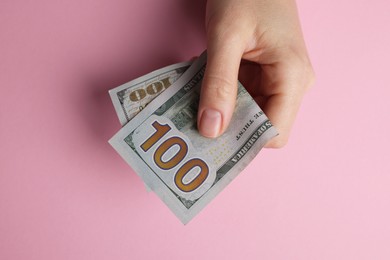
[[66, 194]]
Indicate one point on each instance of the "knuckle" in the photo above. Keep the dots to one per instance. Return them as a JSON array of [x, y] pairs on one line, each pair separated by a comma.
[[220, 88], [302, 72], [308, 75]]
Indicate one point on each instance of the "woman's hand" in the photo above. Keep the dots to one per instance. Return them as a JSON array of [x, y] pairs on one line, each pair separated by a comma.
[[275, 68]]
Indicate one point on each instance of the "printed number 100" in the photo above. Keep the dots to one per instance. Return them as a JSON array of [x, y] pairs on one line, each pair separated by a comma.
[[178, 157]]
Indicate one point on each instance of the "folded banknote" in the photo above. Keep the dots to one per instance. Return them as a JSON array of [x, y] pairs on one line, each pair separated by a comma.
[[162, 144]]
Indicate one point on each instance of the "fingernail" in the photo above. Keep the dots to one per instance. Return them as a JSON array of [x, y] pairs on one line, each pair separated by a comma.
[[210, 123]]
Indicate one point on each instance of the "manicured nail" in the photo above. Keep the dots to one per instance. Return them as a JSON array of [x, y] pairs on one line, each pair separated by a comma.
[[210, 123]]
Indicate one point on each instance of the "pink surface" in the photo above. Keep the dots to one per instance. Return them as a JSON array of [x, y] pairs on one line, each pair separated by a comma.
[[66, 194]]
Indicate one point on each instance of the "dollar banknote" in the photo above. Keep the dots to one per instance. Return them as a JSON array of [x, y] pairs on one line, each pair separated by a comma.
[[186, 170], [130, 98]]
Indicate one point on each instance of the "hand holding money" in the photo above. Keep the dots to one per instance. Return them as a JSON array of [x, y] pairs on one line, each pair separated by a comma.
[[162, 143], [276, 70]]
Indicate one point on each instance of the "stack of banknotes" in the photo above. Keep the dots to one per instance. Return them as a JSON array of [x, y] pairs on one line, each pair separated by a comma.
[[161, 143]]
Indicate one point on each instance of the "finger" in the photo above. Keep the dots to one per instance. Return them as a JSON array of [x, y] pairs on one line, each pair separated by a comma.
[[219, 88], [284, 86], [281, 110]]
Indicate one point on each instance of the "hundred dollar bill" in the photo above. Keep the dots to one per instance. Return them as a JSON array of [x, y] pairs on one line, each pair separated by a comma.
[[130, 98], [186, 170]]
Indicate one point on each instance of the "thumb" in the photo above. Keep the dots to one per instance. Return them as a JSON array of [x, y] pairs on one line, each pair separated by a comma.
[[219, 87]]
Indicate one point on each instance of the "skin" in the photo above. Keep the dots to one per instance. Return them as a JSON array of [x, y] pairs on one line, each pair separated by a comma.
[[259, 42]]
